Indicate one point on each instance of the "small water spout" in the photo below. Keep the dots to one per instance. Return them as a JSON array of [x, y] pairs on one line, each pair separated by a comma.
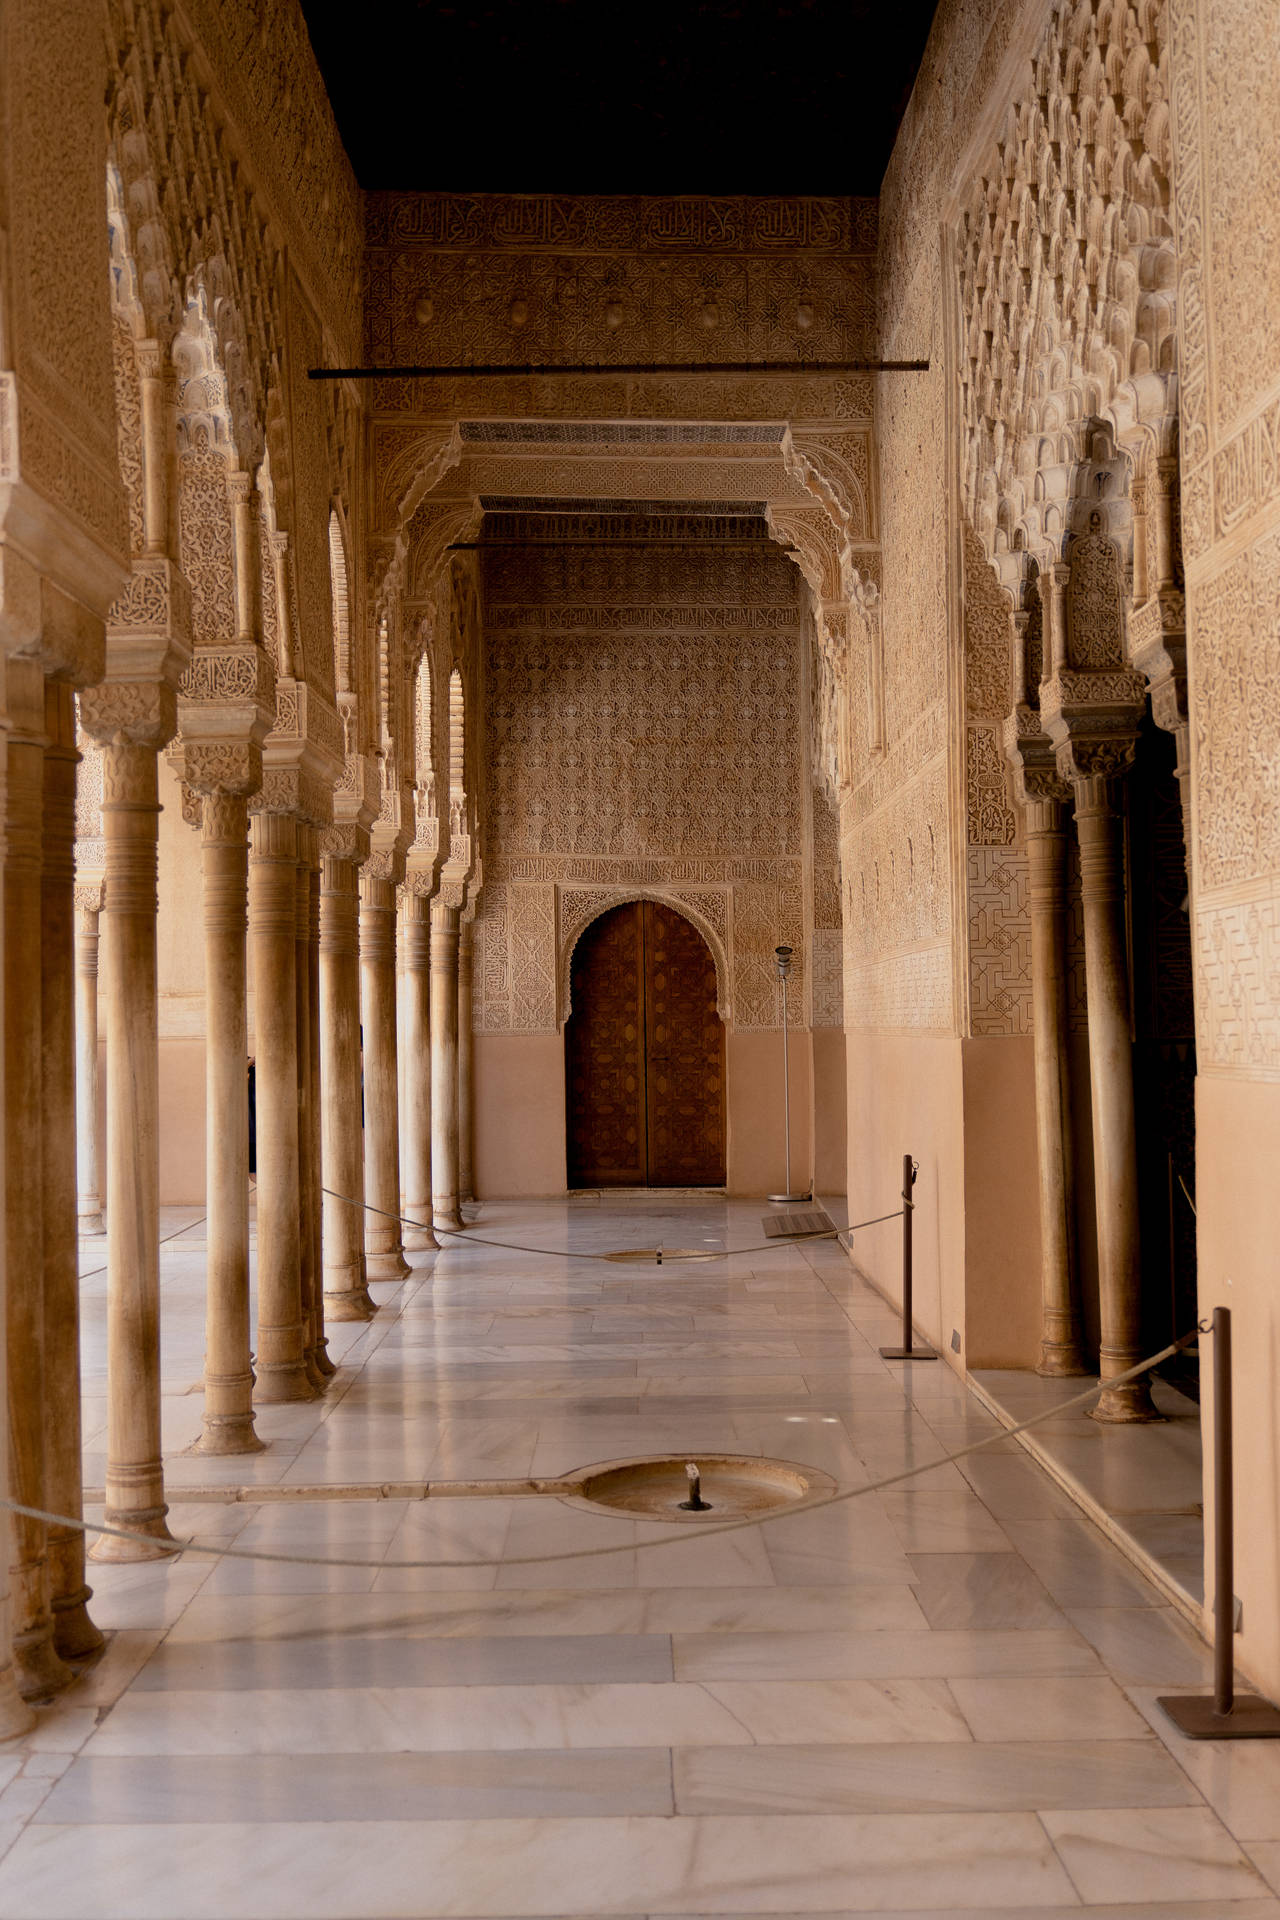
[[695, 1503]]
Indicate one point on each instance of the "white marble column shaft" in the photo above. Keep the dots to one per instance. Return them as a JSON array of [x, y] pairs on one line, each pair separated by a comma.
[[16, 1717], [308, 1173], [466, 1063], [346, 1292], [383, 1248], [228, 1366], [75, 1637], [88, 1164], [444, 1065], [281, 1362], [1115, 1152], [415, 1072], [1061, 1346], [135, 1467], [40, 1669]]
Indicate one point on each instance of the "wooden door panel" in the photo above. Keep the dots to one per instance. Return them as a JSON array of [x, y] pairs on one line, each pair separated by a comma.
[[685, 1054], [604, 1055]]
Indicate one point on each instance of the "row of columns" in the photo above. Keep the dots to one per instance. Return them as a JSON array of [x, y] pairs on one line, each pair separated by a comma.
[[1072, 751], [358, 999]]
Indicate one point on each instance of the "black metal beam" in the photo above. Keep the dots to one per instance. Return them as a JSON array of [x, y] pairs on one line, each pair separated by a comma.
[[812, 367]]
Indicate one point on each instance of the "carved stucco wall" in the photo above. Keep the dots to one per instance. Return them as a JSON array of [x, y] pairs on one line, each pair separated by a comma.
[[642, 737], [999, 921], [1226, 98]]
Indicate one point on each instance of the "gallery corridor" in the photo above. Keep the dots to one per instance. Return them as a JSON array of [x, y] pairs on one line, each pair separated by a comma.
[[935, 1700]]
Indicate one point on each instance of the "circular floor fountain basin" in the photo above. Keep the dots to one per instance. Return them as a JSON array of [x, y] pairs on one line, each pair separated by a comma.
[[728, 1485]]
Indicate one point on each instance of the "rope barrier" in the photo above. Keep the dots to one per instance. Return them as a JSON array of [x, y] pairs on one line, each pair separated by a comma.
[[566, 1253], [217, 1550]]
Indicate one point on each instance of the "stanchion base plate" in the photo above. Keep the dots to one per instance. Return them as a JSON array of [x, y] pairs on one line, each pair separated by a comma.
[[907, 1353], [1249, 1719]]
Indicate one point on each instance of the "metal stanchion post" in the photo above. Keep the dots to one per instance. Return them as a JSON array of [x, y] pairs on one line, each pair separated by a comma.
[[907, 1351], [1222, 1716], [782, 956]]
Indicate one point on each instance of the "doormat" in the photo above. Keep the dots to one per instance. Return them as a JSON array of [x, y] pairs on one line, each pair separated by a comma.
[[794, 1226]]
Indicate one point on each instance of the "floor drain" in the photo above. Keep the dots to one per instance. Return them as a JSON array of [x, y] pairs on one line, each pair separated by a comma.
[[673, 1487], [659, 1256]]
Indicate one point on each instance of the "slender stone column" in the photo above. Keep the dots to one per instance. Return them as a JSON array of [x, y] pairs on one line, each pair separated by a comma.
[[1115, 1153], [384, 1253], [88, 1176], [1061, 1345], [310, 1145], [346, 1293], [308, 1180], [415, 1072], [75, 1637], [16, 1717], [40, 1670], [135, 1467], [466, 1062], [228, 1363], [282, 1370], [444, 1064]]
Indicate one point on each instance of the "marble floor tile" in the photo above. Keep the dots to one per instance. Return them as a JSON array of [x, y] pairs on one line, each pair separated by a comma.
[[366, 1786], [927, 1522], [854, 1655], [1145, 1646], [329, 1661], [913, 1778], [697, 1865], [1139, 1854], [1045, 1707], [981, 1590]]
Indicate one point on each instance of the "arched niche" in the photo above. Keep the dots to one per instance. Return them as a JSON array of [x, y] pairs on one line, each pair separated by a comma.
[[579, 908]]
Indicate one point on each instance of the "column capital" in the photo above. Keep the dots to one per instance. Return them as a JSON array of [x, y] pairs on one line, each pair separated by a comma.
[[305, 748], [149, 624], [1092, 718], [129, 713], [345, 841]]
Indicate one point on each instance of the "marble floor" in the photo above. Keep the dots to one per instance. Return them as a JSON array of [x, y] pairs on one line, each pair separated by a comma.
[[935, 1700]]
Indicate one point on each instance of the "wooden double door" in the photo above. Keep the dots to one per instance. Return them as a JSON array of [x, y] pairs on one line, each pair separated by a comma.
[[644, 1054]]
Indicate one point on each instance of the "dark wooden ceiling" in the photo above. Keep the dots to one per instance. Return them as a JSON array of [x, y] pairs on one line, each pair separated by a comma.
[[584, 96]]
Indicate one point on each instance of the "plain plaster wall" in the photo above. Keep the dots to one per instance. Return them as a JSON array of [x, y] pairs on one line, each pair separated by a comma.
[[519, 1115], [757, 1147], [1001, 1204], [906, 1096], [830, 1122], [1238, 1196]]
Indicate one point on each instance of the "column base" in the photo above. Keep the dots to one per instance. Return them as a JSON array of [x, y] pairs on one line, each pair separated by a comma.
[[91, 1223], [38, 1670], [320, 1354], [75, 1638], [445, 1214], [386, 1266], [1061, 1362], [229, 1433], [282, 1382], [352, 1303], [420, 1240], [1130, 1405], [319, 1381], [157, 1544], [16, 1717]]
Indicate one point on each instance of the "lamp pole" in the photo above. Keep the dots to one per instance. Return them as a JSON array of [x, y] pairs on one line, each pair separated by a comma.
[[782, 960]]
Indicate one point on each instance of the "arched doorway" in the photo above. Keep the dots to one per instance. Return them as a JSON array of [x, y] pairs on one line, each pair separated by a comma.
[[644, 1054]]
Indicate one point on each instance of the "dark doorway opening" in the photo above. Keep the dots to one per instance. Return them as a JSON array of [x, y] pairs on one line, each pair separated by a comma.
[[1164, 1053], [644, 1054]]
